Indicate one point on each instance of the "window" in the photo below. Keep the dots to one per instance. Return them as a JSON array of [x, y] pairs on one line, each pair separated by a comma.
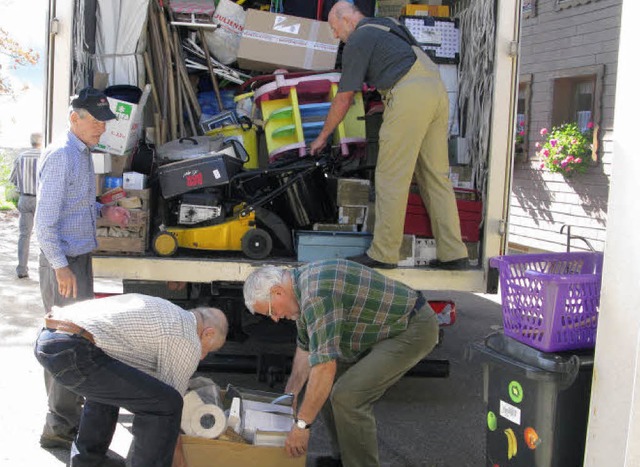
[[577, 98], [522, 116]]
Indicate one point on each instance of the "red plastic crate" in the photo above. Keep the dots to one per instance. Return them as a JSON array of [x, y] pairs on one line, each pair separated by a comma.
[[417, 220]]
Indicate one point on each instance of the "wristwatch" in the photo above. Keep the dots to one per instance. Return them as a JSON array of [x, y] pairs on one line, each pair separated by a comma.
[[302, 424]]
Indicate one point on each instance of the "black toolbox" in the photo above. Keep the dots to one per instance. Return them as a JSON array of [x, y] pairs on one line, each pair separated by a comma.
[[187, 175]]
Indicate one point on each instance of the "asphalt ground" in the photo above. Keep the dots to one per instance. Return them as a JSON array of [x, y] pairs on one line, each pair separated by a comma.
[[421, 421]]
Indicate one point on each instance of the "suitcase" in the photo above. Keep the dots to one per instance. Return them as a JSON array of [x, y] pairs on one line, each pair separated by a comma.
[[199, 172]]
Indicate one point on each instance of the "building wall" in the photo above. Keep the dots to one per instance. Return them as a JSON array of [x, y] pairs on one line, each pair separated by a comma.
[[554, 40]]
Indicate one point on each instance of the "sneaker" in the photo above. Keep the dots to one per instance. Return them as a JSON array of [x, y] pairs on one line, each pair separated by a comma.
[[55, 442], [366, 260], [453, 265], [23, 276], [328, 461]]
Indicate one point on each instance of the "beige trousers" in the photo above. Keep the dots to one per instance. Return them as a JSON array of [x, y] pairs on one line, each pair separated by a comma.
[[413, 138]]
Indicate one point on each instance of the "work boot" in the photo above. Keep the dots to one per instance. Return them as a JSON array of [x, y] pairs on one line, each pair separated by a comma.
[[366, 260], [328, 461], [453, 265], [55, 442]]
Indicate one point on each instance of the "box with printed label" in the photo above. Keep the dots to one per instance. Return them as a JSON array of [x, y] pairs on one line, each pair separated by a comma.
[[101, 163], [122, 134], [272, 40]]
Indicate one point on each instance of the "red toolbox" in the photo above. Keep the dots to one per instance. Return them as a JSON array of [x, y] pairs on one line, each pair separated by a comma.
[[417, 220]]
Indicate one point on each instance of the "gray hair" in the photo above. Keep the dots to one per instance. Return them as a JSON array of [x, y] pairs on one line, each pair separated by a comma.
[[213, 318], [257, 287], [36, 140], [343, 8], [82, 113]]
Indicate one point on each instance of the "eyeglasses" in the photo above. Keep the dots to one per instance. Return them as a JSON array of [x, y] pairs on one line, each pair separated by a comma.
[[270, 314]]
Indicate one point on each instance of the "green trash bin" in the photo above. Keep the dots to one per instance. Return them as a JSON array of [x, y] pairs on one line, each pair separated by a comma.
[[537, 403]]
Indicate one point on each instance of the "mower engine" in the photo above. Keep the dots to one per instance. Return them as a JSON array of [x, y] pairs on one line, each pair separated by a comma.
[[200, 209]]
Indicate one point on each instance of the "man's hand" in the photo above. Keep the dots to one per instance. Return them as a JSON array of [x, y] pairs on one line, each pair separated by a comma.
[[67, 283], [116, 214], [317, 145], [297, 441]]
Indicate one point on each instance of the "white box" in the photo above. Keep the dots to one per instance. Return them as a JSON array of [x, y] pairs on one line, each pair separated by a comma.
[[425, 251], [134, 181], [123, 133], [101, 163], [407, 251], [352, 214]]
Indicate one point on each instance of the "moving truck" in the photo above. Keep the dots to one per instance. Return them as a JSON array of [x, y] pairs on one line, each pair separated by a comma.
[[490, 140]]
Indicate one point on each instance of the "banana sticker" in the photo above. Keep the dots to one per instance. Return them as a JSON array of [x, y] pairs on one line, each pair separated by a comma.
[[512, 443]]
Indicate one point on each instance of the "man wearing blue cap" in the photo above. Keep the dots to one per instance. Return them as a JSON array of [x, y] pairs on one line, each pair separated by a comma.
[[65, 221]]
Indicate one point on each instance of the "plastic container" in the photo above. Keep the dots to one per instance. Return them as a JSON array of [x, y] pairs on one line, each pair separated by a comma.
[[537, 403], [246, 135], [550, 301]]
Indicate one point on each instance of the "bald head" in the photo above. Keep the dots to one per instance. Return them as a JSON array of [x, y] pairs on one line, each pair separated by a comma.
[[212, 328], [343, 19]]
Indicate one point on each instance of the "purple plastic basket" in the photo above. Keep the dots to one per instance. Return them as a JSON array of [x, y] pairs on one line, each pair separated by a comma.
[[550, 301]]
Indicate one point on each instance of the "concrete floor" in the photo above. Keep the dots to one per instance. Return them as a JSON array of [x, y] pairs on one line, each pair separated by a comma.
[[421, 421]]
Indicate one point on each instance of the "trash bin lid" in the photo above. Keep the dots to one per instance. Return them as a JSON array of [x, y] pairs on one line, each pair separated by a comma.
[[558, 362]]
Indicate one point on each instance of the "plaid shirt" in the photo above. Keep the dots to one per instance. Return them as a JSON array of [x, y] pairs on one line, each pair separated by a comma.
[[23, 174], [346, 308], [147, 333], [66, 210]]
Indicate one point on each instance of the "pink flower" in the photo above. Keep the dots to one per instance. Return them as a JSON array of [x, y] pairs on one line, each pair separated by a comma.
[[564, 163], [545, 152], [574, 141], [521, 133], [543, 132], [578, 160], [542, 165], [553, 142], [537, 145], [590, 125], [569, 158]]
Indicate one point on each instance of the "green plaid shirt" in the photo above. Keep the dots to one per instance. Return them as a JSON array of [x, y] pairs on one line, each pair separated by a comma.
[[346, 308]]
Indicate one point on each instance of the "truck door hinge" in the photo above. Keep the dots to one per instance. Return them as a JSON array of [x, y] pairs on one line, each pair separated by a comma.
[[502, 227], [54, 26], [514, 46]]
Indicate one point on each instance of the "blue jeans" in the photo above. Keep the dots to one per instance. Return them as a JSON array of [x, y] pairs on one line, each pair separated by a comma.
[[108, 384]]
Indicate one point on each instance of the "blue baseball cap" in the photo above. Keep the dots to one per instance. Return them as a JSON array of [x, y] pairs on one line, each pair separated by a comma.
[[94, 102]]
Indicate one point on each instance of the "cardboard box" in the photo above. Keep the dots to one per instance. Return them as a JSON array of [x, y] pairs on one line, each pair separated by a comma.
[[112, 195], [99, 184], [350, 191], [120, 164], [134, 181], [200, 452], [101, 163], [271, 41], [123, 133]]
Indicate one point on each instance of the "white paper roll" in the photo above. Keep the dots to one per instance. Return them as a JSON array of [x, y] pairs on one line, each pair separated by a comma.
[[206, 421], [200, 419]]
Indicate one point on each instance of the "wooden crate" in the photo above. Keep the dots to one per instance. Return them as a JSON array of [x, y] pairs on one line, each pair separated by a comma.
[[139, 225]]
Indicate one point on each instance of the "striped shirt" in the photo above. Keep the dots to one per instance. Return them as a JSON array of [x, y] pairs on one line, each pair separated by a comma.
[[66, 211], [23, 174], [147, 333], [346, 308]]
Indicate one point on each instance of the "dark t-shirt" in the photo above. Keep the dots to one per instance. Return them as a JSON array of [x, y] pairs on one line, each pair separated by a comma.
[[374, 56]]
